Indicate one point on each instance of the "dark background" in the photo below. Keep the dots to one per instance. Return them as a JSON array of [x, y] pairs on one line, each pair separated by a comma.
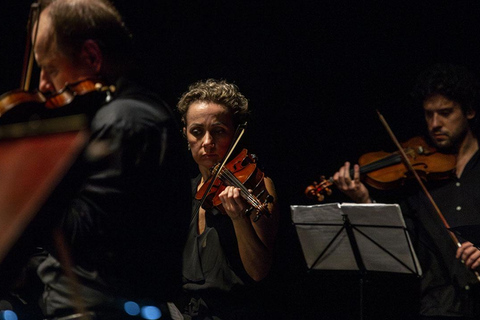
[[313, 71]]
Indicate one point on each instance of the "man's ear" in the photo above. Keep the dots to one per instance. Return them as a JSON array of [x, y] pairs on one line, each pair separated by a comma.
[[470, 114], [92, 56]]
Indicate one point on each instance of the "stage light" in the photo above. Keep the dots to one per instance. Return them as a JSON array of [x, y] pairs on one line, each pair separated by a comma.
[[151, 313], [8, 315], [131, 308]]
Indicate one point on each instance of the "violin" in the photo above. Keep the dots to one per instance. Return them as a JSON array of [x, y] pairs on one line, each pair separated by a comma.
[[386, 171], [80, 88], [19, 105], [241, 172]]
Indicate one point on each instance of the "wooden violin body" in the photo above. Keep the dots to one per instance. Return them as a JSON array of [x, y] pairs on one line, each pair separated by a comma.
[[71, 91], [241, 172], [21, 106], [386, 171], [17, 97]]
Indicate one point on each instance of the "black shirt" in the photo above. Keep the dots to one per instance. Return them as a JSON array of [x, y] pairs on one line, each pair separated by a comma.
[[447, 287], [126, 214]]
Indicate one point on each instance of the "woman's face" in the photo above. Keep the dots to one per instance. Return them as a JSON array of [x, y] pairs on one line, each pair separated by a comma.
[[209, 130]]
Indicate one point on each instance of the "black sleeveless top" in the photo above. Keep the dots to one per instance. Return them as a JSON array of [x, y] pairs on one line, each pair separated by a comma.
[[212, 268]]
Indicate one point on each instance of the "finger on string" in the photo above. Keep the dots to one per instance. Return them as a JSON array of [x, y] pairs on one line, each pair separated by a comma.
[[356, 173], [347, 171]]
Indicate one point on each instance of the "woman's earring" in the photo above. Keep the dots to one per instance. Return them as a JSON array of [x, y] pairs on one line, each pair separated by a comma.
[[188, 146]]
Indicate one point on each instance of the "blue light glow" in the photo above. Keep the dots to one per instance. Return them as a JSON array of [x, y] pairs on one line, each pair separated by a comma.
[[151, 313], [131, 308], [8, 315]]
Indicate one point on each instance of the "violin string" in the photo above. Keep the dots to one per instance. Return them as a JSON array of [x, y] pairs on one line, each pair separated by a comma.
[[230, 177], [385, 162], [389, 160], [244, 191], [219, 167]]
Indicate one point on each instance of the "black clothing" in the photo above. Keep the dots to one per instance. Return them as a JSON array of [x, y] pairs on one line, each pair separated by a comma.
[[121, 209], [447, 287], [215, 281]]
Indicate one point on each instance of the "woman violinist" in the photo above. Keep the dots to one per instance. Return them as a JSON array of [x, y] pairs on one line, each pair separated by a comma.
[[227, 253]]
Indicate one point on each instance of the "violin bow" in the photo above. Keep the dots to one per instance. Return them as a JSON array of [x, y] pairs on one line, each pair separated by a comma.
[[422, 185], [33, 17], [238, 135]]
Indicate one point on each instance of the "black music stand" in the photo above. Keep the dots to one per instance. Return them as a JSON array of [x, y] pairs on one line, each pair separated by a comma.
[[358, 237]]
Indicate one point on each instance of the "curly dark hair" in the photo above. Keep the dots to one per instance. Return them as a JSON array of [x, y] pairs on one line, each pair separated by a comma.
[[454, 82], [217, 91]]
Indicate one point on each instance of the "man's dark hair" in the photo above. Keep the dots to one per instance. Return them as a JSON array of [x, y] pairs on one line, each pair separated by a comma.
[[454, 82]]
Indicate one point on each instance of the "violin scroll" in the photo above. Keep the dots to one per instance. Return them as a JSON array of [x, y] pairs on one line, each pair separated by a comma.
[[318, 190]]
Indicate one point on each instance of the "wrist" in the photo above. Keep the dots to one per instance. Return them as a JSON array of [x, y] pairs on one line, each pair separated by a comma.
[[240, 218], [365, 199]]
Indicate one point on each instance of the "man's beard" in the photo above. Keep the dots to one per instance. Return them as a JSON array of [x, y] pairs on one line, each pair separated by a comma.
[[453, 144]]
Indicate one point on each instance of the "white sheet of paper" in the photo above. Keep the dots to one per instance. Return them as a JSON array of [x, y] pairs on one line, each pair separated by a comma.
[[379, 230]]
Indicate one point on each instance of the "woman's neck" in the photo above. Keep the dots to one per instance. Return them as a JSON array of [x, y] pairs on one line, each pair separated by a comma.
[[205, 173]]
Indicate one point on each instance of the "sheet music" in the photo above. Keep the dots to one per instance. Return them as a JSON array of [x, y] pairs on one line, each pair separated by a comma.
[[379, 230]]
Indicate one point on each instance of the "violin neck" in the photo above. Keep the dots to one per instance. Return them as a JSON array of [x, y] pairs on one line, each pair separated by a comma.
[[390, 160]]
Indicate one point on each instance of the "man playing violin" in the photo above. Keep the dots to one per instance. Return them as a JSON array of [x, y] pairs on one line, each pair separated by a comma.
[[449, 95], [125, 220]]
